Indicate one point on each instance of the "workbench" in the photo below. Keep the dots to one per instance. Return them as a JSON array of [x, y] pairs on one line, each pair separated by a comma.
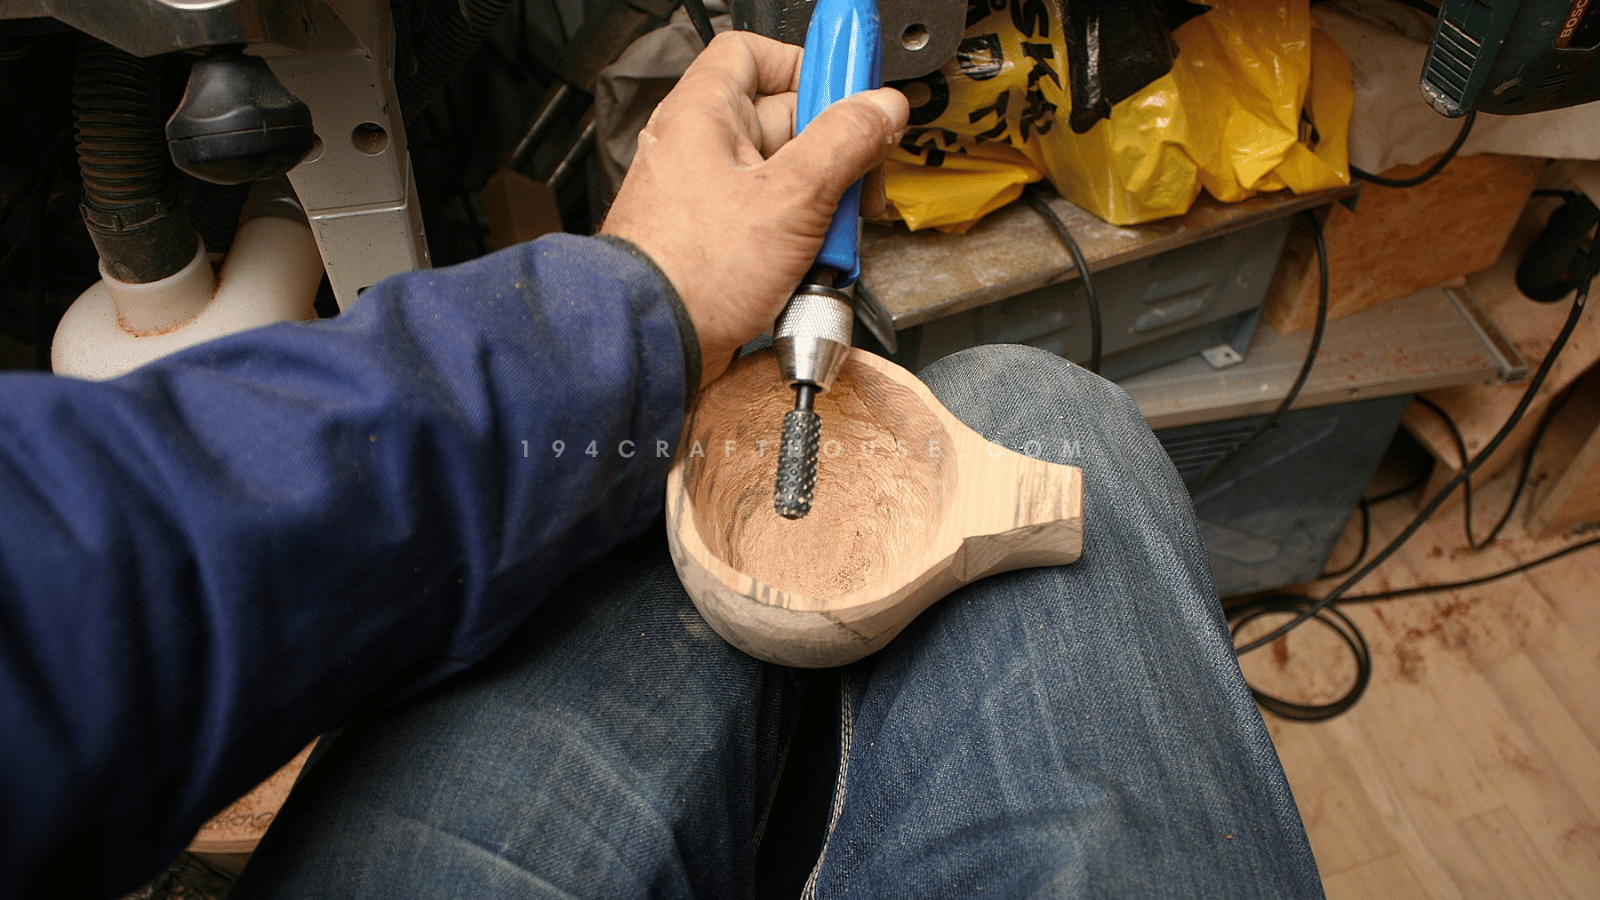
[[1433, 338], [919, 276], [1269, 511], [1430, 339]]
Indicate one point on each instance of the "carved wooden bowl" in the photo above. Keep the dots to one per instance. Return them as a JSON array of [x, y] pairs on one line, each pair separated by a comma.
[[910, 505]]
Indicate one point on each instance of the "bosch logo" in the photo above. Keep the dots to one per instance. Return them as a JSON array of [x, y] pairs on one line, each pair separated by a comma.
[[1574, 18]]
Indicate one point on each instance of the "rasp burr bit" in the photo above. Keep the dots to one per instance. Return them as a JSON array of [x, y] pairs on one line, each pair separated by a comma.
[[812, 341]]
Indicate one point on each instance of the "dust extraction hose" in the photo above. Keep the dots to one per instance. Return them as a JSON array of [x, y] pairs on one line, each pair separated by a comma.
[[130, 201], [452, 32]]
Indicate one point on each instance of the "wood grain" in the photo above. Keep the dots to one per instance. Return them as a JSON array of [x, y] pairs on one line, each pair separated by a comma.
[[1399, 240], [1419, 342], [237, 829], [910, 504], [1566, 477]]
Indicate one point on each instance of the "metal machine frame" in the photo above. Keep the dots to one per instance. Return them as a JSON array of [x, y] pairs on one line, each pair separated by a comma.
[[337, 56]]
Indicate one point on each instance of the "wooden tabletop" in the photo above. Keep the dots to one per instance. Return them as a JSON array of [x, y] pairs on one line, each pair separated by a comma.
[[925, 275]]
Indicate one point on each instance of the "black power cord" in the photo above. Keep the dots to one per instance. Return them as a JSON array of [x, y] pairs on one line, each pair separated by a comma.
[[1364, 507], [700, 19], [1035, 195], [1465, 473], [1312, 350], [1303, 609], [1436, 168], [1241, 616], [1325, 611], [1522, 480], [1476, 580], [1462, 455], [1527, 458]]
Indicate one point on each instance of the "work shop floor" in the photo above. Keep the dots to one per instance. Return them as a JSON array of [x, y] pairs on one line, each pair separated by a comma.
[[1471, 767]]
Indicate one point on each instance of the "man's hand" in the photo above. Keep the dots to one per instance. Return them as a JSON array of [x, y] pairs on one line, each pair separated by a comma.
[[723, 200]]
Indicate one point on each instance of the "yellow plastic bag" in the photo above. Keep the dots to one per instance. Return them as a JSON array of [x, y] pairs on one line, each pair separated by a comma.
[[1258, 100]]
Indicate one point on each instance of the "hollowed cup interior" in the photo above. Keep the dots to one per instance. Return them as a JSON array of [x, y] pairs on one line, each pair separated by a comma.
[[883, 482]]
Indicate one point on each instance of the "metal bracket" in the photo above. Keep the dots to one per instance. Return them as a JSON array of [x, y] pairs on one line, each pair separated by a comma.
[[1513, 368], [919, 36], [357, 185], [1222, 356]]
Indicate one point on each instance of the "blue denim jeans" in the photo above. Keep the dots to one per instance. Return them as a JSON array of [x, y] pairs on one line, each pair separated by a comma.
[[1081, 731]]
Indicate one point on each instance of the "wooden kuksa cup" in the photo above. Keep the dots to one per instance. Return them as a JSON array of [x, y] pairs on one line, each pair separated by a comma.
[[910, 505]]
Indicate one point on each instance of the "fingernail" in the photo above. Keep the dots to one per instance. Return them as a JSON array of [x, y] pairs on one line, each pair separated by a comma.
[[893, 103]]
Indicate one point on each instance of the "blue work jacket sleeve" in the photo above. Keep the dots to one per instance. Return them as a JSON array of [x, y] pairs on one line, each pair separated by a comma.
[[209, 561]]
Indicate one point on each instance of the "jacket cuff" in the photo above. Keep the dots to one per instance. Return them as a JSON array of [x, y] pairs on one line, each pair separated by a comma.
[[686, 333]]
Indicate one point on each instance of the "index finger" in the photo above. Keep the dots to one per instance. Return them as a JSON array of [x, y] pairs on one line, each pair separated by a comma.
[[753, 64]]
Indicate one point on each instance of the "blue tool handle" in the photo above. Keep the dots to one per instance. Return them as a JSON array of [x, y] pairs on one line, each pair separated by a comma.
[[843, 57]]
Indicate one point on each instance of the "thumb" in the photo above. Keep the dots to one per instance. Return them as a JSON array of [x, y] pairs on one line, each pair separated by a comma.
[[846, 140]]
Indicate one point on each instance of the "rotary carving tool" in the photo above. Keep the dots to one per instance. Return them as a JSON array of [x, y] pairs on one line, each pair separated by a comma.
[[812, 334]]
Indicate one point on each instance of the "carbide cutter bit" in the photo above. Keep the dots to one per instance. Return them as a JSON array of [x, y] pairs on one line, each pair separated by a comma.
[[812, 340], [812, 335]]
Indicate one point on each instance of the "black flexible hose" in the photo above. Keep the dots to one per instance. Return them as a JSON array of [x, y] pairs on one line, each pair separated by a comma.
[[129, 196], [453, 31], [122, 146], [214, 210]]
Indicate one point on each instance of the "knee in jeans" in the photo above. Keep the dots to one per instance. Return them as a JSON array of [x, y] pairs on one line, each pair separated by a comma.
[[994, 370]]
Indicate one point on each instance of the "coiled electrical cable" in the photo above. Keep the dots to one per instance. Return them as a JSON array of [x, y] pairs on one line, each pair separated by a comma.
[[1550, 414], [1303, 609], [1331, 617]]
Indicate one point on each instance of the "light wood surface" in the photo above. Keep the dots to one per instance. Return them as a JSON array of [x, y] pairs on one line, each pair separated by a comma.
[[910, 504], [1471, 768], [1565, 483], [237, 829]]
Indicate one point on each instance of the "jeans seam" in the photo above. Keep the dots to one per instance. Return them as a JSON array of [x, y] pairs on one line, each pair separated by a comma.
[[792, 732], [846, 728]]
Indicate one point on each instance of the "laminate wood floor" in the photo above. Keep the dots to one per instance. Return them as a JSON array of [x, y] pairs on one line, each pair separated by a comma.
[[1471, 767]]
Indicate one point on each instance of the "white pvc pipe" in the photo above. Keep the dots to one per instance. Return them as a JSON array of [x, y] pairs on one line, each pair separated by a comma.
[[271, 275], [158, 307]]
